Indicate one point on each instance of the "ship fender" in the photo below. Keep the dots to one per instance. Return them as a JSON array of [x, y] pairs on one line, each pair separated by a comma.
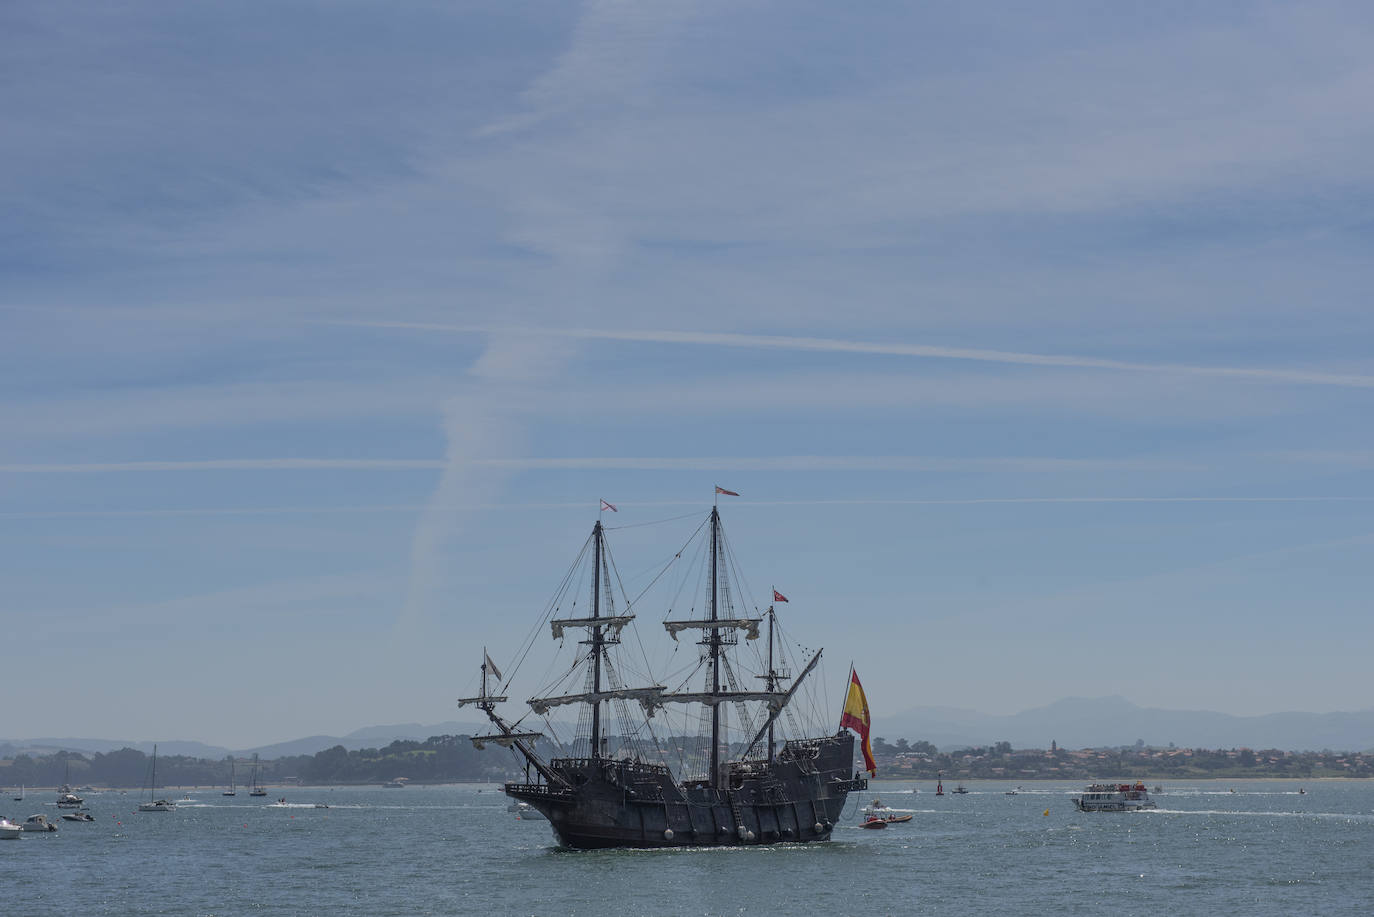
[[667, 834]]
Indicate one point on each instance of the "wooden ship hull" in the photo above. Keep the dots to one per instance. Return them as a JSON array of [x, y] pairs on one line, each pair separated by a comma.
[[795, 798]]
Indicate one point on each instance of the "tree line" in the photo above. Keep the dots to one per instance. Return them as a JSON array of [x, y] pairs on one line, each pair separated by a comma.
[[436, 759]]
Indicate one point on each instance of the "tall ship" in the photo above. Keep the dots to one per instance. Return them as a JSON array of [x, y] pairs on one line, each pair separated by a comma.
[[656, 765]]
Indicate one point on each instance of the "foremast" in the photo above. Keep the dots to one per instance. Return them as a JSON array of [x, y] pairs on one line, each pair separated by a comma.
[[508, 736], [603, 631]]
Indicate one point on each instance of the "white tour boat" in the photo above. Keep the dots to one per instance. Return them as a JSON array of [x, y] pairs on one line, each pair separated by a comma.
[[1114, 797]]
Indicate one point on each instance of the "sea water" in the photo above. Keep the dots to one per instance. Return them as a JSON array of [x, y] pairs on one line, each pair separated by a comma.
[[1228, 847]]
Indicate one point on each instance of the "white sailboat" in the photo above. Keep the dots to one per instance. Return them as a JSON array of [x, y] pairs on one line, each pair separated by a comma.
[[232, 791], [153, 804], [66, 799], [257, 789], [20, 797]]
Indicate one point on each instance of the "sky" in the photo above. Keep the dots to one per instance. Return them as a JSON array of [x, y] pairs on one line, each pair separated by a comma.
[[1036, 340]]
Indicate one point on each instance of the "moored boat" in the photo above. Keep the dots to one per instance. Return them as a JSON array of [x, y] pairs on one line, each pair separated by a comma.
[[724, 793], [1114, 797], [257, 789], [9, 831], [155, 805], [38, 823], [66, 799]]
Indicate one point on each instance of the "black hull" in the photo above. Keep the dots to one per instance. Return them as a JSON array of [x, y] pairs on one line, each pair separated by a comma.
[[796, 798]]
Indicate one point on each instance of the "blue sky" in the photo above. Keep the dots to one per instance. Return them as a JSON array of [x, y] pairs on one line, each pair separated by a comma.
[[1036, 341]]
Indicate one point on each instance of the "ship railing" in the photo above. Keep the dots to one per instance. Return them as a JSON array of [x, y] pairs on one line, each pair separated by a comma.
[[638, 767], [539, 789]]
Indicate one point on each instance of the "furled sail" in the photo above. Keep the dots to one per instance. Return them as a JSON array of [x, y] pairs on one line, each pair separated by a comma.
[[751, 625], [613, 624], [774, 699], [647, 697]]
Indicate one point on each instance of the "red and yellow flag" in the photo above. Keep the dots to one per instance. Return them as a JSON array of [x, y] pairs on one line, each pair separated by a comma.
[[855, 717]]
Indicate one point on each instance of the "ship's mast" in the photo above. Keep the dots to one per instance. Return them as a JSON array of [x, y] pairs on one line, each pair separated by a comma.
[[596, 640], [772, 682], [714, 640]]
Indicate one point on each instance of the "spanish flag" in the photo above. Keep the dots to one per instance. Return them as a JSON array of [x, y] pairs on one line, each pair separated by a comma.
[[855, 717]]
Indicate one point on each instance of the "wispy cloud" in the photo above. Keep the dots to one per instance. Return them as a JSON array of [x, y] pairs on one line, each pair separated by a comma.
[[463, 431], [481, 419], [261, 464], [839, 345], [185, 406], [583, 505]]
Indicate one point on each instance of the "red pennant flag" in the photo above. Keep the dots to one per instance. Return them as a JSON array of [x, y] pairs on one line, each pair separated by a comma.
[[609, 506], [728, 493], [778, 596]]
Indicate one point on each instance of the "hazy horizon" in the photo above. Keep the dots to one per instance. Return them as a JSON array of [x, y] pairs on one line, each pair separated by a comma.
[[1036, 342], [884, 722]]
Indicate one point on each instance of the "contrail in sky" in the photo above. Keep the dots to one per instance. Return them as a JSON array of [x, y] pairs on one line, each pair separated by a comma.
[[832, 345], [781, 463], [584, 504]]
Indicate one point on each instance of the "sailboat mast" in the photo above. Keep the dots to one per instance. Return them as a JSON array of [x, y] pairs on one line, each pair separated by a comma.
[[596, 639], [715, 651]]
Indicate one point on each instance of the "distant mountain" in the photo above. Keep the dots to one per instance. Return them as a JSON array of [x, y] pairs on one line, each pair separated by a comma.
[[1079, 722], [47, 746], [367, 737]]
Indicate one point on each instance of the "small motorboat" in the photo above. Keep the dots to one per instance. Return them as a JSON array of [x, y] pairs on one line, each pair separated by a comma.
[[959, 790], [888, 814], [9, 831], [321, 805], [69, 801], [875, 821], [77, 816], [38, 823]]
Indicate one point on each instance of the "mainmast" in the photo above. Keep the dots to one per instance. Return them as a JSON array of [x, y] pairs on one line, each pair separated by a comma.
[[596, 641]]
